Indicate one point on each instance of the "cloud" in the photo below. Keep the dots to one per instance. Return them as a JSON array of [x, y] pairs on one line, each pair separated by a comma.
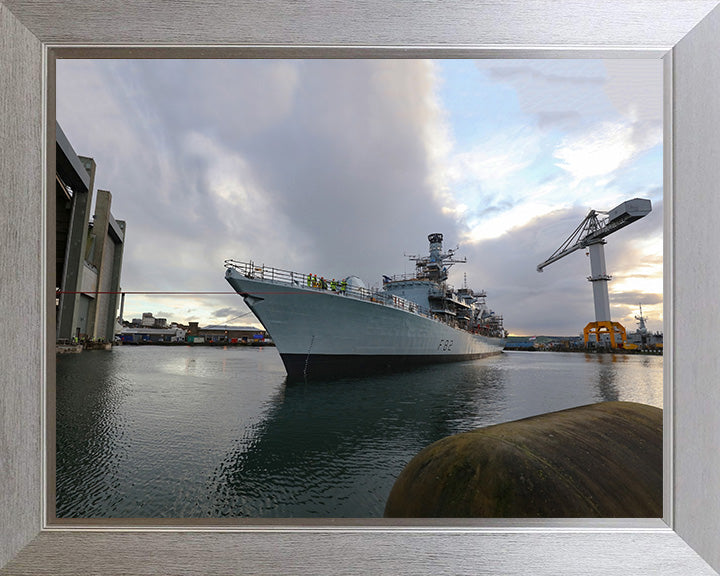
[[225, 312], [557, 94], [609, 111], [598, 152], [570, 94], [606, 148], [635, 298], [494, 160], [568, 144], [534, 303], [559, 301], [634, 87], [342, 167], [308, 165]]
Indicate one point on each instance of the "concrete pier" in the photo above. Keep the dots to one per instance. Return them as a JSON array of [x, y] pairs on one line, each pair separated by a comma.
[[598, 461]]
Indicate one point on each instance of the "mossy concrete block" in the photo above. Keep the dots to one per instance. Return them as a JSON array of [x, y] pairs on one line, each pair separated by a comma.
[[598, 461]]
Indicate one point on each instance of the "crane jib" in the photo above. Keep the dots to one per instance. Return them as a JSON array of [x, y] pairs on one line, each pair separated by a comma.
[[593, 229]]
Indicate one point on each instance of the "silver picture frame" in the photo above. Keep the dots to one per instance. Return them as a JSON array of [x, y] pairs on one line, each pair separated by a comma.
[[684, 33]]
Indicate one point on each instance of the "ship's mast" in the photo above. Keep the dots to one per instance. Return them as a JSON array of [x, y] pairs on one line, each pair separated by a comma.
[[642, 329], [435, 266]]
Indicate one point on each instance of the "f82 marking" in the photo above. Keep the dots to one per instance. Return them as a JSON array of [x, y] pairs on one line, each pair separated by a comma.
[[445, 345]]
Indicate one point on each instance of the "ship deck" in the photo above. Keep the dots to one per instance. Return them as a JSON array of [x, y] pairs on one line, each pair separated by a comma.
[[298, 280]]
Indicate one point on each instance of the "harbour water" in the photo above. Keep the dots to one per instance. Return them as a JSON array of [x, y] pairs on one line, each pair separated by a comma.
[[214, 432]]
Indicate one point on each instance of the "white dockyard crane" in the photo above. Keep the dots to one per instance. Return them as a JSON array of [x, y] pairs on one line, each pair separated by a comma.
[[591, 234]]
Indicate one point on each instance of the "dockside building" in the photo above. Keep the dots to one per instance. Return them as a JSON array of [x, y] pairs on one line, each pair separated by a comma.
[[225, 334], [88, 253]]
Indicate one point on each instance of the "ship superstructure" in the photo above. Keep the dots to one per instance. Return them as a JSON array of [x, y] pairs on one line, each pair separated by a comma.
[[427, 287], [642, 338], [332, 328]]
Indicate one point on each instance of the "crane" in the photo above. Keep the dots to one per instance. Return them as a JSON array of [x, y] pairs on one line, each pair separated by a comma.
[[591, 234]]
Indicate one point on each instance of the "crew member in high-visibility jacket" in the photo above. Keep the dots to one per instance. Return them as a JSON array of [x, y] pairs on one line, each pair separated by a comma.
[[343, 286]]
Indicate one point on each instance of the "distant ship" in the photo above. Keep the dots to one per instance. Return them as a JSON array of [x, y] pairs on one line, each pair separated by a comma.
[[642, 338], [334, 328]]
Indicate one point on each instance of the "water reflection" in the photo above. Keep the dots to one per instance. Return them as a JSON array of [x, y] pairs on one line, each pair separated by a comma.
[[90, 434], [321, 441], [209, 432], [606, 375]]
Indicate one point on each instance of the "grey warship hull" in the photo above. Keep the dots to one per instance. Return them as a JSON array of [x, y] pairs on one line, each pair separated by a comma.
[[320, 332], [337, 328]]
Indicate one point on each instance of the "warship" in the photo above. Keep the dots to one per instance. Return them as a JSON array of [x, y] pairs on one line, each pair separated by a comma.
[[335, 328]]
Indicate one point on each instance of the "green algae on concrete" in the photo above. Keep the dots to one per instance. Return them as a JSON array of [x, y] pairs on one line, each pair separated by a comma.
[[598, 461]]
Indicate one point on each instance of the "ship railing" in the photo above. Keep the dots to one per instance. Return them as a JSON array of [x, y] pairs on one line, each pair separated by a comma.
[[312, 282], [492, 323], [268, 273]]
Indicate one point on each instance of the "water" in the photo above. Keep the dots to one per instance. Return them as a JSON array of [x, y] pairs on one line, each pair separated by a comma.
[[210, 432]]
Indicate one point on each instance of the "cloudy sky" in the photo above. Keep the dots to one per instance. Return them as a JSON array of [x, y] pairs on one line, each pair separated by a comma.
[[342, 167]]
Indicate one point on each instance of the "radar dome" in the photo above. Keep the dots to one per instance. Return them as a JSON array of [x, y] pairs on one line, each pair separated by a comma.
[[355, 282]]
